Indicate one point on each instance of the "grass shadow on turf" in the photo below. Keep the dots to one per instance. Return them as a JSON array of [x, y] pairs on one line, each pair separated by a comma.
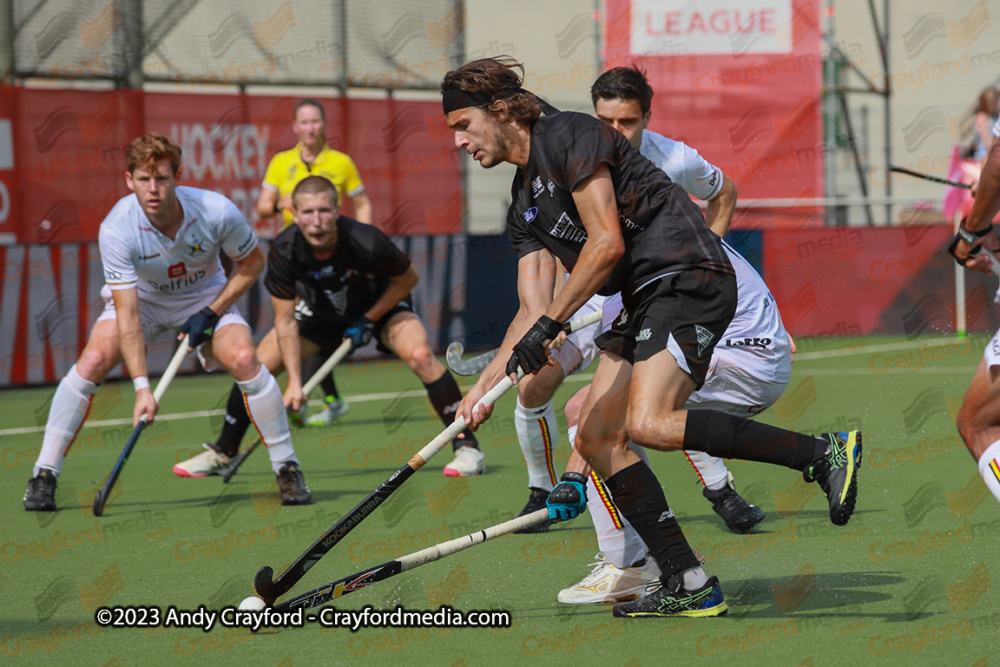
[[233, 497], [771, 518], [491, 469], [780, 597]]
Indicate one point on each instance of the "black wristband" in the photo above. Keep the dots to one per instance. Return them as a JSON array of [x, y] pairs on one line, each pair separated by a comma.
[[970, 236], [276, 209], [579, 478]]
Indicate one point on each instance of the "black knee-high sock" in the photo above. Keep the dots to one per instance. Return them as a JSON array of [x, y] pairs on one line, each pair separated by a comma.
[[445, 397], [731, 437], [235, 424], [329, 386], [638, 496]]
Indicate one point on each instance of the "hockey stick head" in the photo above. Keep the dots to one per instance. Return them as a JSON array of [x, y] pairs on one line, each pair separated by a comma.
[[234, 465], [470, 366], [99, 504], [263, 581], [453, 355]]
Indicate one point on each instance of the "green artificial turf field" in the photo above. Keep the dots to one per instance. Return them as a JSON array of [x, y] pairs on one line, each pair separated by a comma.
[[908, 581]]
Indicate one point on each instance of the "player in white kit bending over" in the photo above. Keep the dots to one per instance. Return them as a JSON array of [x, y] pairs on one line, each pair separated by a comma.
[[160, 250]]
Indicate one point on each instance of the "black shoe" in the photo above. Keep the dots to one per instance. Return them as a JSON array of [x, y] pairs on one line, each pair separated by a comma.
[[41, 493], [837, 474], [292, 484], [675, 601], [536, 501], [739, 515]]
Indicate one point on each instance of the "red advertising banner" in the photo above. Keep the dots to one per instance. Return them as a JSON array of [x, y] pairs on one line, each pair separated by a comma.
[[738, 80], [61, 161]]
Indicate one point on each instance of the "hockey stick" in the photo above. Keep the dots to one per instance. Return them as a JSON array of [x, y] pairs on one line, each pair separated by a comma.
[[271, 589], [356, 582], [317, 377], [473, 365], [928, 177], [161, 387]]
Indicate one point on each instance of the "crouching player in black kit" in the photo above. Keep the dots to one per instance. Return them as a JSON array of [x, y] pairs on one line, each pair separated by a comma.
[[584, 194], [358, 286]]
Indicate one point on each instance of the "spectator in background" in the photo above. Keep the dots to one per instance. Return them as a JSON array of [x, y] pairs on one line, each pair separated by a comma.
[[987, 110], [967, 159], [313, 157]]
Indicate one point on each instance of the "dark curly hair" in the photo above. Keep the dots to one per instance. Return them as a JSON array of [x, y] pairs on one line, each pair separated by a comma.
[[497, 78]]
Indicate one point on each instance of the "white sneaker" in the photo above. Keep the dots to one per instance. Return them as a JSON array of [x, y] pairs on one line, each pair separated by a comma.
[[468, 462], [607, 583], [209, 462], [334, 410]]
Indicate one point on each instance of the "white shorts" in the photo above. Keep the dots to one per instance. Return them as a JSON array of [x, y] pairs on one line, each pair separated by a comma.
[[733, 387], [992, 352], [168, 315], [736, 383], [579, 351]]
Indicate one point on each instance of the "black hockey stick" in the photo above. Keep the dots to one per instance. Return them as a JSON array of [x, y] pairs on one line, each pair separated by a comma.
[[161, 387], [317, 377], [356, 582], [928, 177], [271, 589], [473, 365]]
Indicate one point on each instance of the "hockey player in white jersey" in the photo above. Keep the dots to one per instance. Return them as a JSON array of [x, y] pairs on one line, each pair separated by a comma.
[[160, 249]]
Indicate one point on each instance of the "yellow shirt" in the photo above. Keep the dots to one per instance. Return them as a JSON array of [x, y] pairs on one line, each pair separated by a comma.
[[287, 169]]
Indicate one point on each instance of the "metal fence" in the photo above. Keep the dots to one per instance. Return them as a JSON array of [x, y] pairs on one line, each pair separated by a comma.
[[345, 43]]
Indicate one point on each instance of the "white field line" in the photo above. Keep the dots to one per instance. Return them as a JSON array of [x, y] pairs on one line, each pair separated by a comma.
[[872, 349], [586, 377]]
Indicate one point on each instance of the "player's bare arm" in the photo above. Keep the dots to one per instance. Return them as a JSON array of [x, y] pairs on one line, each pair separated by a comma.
[[720, 208], [245, 273], [535, 284], [266, 203], [984, 209], [133, 349], [595, 201], [286, 330], [577, 463], [362, 208], [399, 288]]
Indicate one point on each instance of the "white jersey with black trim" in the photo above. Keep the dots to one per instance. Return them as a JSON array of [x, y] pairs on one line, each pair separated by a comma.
[[136, 254], [756, 328], [683, 164]]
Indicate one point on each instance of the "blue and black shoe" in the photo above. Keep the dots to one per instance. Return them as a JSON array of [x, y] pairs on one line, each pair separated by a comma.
[[705, 602], [837, 474]]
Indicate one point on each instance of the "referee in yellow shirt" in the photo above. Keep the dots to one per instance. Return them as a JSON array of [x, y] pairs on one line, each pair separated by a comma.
[[312, 157]]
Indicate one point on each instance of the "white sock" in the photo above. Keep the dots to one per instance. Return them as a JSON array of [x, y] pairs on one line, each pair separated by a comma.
[[694, 578], [989, 468], [69, 408], [712, 470], [616, 538], [537, 433], [267, 411]]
